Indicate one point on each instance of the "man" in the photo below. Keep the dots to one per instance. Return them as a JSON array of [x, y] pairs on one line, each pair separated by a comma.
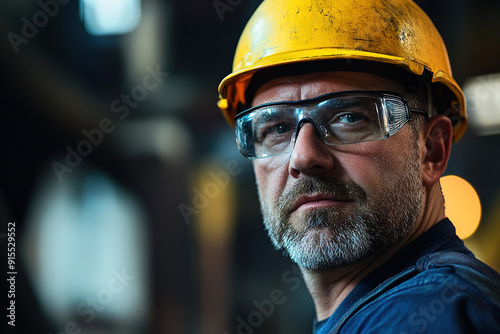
[[348, 110]]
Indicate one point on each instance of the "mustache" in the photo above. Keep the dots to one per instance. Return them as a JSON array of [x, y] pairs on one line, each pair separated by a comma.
[[346, 190]]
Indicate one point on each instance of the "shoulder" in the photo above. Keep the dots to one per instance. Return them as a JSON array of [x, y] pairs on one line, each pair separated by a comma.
[[436, 299]]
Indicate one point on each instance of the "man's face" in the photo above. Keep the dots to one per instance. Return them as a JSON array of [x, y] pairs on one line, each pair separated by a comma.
[[329, 206]]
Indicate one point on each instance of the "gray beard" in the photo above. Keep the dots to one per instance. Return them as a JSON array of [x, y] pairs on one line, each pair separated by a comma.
[[327, 238]]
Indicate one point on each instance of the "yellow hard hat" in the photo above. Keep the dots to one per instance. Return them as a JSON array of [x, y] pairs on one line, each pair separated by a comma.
[[395, 32]]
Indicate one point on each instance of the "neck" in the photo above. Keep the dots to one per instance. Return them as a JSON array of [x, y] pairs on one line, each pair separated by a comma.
[[329, 288]]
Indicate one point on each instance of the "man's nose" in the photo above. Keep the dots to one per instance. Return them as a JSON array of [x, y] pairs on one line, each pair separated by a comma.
[[310, 154]]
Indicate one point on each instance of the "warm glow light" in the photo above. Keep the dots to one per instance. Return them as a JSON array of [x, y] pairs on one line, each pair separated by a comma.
[[462, 205]]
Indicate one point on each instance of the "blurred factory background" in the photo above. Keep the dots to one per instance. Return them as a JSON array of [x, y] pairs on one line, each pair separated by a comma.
[[134, 212]]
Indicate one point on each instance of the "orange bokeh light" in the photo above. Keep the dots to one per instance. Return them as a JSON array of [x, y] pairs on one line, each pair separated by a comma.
[[462, 205]]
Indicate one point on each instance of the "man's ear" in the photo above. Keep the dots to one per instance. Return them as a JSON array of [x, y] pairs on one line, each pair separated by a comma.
[[437, 136]]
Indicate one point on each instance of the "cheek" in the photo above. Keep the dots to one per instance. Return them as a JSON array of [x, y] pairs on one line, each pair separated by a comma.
[[375, 167], [271, 180]]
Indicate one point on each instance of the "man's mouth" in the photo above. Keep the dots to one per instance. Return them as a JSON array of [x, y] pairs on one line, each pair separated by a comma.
[[318, 200]]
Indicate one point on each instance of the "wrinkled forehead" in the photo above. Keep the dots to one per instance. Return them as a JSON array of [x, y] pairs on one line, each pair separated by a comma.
[[310, 85]]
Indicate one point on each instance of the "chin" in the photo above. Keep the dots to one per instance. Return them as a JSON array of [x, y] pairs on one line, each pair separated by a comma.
[[319, 249]]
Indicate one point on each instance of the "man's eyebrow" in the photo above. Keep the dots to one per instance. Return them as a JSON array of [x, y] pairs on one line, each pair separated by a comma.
[[340, 104], [288, 113]]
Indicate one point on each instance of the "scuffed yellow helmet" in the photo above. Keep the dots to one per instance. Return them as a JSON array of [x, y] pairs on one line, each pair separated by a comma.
[[395, 32]]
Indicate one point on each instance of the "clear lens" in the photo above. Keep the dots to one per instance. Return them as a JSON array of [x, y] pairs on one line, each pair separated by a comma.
[[397, 113], [274, 129], [351, 119], [340, 118]]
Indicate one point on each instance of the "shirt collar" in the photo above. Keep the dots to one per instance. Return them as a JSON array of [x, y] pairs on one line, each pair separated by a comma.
[[439, 237]]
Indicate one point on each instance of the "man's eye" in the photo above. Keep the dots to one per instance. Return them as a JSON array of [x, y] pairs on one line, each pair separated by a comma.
[[279, 129], [350, 118], [274, 133]]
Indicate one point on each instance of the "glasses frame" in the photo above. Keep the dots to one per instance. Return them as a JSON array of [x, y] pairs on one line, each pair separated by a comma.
[[384, 96]]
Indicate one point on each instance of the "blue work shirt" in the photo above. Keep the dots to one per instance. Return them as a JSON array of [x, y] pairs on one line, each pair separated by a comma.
[[433, 285]]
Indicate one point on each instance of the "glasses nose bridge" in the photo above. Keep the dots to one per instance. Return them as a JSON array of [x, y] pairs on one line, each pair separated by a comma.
[[305, 120]]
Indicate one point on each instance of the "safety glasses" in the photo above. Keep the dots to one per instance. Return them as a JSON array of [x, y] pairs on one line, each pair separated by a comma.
[[338, 118]]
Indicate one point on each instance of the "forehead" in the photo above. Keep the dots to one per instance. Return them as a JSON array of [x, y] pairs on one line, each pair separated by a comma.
[[310, 85]]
